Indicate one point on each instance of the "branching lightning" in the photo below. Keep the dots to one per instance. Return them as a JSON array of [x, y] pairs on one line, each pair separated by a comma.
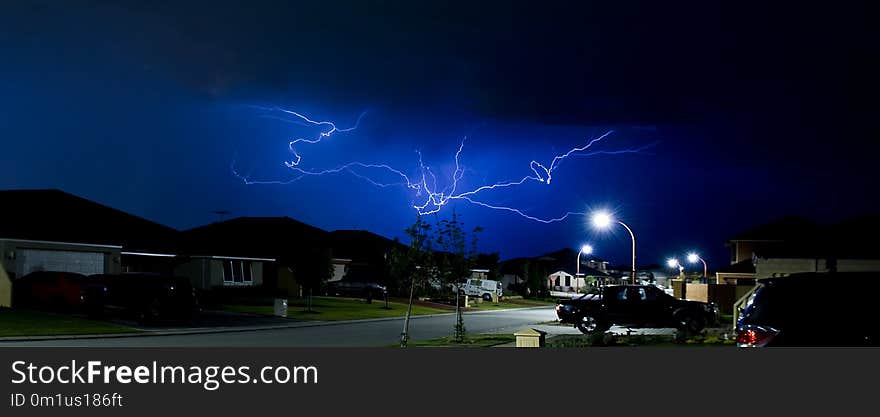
[[429, 195]]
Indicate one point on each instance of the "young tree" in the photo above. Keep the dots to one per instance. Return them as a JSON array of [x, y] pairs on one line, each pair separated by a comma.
[[312, 268], [459, 254], [536, 279], [413, 265]]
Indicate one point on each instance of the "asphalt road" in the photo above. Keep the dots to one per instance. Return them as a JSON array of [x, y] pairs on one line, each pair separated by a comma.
[[360, 334]]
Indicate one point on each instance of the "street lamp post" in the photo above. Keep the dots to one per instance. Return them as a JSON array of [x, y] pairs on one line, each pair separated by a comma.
[[585, 249], [673, 263], [602, 220], [693, 258]]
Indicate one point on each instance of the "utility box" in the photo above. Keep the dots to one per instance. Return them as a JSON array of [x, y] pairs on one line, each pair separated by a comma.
[[281, 307], [530, 338]]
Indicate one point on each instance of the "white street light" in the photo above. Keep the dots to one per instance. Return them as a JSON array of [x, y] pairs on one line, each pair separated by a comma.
[[694, 258], [674, 263], [585, 249], [602, 220]]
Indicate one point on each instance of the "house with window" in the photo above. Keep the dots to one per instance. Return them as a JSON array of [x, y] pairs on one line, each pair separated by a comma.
[[564, 281], [250, 252], [792, 244], [212, 271], [51, 230], [578, 282], [362, 255]]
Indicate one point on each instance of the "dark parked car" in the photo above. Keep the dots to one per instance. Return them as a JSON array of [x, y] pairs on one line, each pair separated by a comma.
[[150, 297], [812, 309], [361, 289], [634, 306], [59, 291]]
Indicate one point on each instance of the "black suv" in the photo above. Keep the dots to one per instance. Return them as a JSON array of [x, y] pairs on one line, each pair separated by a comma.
[[635, 306], [363, 289], [812, 309], [150, 297]]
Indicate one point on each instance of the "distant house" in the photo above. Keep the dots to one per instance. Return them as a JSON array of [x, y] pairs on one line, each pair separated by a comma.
[[561, 268], [575, 282], [361, 254], [564, 281], [742, 272], [794, 244], [54, 230], [340, 269], [249, 251]]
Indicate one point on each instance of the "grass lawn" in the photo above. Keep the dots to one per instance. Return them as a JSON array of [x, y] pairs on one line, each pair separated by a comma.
[[477, 340], [338, 308], [35, 323]]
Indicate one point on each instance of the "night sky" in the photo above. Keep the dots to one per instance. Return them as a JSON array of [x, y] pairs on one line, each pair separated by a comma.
[[751, 112]]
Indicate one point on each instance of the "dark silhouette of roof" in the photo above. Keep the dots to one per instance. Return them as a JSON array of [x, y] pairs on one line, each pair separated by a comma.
[[560, 260], [361, 245], [54, 215], [280, 238], [795, 237], [786, 228]]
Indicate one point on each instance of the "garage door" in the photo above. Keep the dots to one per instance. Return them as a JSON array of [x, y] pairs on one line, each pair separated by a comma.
[[58, 260]]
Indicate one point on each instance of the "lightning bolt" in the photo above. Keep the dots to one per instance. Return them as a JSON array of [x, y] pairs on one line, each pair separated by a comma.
[[429, 197]]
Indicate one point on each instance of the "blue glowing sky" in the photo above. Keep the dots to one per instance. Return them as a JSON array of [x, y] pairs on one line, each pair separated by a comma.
[[754, 113]]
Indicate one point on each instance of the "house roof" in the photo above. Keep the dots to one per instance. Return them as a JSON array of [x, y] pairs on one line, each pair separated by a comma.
[[794, 237], [361, 245], [560, 260], [785, 228], [271, 237], [54, 215]]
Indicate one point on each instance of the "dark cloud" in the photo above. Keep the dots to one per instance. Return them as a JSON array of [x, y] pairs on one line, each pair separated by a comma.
[[746, 98]]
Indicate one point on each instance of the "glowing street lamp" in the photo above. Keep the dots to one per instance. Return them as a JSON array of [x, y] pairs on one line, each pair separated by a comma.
[[674, 263], [693, 258], [602, 220], [586, 250]]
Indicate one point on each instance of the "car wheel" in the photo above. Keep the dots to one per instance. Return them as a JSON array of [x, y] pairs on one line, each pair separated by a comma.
[[590, 324], [691, 323], [487, 297]]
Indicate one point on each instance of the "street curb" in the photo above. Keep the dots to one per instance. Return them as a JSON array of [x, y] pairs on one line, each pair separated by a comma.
[[217, 330]]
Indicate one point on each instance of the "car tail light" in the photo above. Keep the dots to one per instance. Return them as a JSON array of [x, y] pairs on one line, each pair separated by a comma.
[[755, 336]]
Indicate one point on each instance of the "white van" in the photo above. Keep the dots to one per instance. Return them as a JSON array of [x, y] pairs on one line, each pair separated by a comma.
[[484, 288]]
